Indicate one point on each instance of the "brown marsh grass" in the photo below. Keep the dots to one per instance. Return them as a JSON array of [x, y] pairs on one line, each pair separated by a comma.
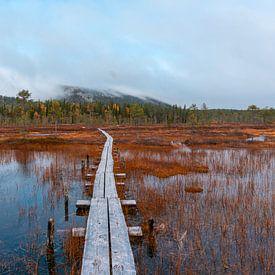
[[226, 228]]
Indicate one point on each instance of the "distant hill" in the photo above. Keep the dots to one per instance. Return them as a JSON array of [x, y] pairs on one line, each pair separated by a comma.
[[81, 95]]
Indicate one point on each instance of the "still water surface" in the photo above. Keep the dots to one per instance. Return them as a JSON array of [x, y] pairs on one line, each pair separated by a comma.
[[33, 183]]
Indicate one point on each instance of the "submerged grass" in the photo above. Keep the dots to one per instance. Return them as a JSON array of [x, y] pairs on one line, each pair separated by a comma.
[[216, 222]]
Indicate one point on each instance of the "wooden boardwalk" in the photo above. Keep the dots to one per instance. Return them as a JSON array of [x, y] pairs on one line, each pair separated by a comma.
[[107, 247]]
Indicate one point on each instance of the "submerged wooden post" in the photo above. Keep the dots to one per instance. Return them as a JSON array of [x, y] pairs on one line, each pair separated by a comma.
[[50, 240], [50, 248], [123, 163], [152, 244], [151, 225], [51, 260], [66, 201], [82, 165], [88, 161]]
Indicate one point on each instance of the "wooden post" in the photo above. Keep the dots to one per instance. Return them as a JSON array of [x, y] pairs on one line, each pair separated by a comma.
[[50, 248], [50, 240], [123, 163], [66, 198], [88, 161], [151, 225], [82, 165], [152, 244]]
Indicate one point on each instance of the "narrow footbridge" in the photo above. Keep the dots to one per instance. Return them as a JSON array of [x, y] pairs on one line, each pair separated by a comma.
[[107, 247]]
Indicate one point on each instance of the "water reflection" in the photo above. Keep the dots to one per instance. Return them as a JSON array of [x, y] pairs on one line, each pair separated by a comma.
[[38, 182]]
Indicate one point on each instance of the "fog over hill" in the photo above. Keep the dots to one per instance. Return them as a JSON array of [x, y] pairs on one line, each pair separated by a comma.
[[80, 94]]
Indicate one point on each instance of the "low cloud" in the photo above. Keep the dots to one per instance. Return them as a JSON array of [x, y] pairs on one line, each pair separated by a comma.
[[182, 52]]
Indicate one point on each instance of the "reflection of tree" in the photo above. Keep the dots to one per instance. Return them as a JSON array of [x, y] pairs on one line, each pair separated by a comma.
[[54, 166], [24, 157]]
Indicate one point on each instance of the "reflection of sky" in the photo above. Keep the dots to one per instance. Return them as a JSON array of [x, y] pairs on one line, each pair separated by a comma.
[[26, 202], [227, 178]]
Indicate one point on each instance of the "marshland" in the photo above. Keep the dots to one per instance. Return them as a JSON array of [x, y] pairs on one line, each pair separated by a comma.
[[137, 137], [205, 202]]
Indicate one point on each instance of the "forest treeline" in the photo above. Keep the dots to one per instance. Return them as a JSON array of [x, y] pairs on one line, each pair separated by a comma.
[[24, 111]]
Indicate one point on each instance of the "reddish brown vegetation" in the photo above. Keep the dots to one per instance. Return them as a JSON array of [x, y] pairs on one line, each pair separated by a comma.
[[162, 169], [227, 226], [193, 189]]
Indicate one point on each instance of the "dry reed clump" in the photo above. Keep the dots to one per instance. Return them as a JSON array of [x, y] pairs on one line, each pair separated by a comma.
[[193, 189], [152, 203], [73, 249], [163, 169]]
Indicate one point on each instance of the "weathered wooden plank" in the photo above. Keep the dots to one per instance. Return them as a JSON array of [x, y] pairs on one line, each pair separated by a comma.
[[88, 184], [120, 175], [89, 175], [99, 186], [78, 232], [122, 256], [135, 231], [83, 204], [106, 219], [120, 183], [110, 186], [96, 258], [130, 203]]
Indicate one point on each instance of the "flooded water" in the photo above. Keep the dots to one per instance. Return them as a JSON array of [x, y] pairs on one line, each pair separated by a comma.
[[259, 138], [37, 183], [229, 227]]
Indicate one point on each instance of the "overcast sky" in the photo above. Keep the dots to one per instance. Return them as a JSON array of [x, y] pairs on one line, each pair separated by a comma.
[[219, 52]]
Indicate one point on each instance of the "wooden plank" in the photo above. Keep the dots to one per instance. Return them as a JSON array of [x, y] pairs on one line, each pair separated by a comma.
[[96, 258], [99, 186], [78, 232], [121, 252], [106, 219], [120, 175], [83, 204], [135, 231], [89, 175], [110, 186], [88, 184], [130, 203], [120, 184]]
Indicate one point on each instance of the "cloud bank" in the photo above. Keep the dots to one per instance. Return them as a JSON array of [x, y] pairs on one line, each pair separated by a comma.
[[182, 52]]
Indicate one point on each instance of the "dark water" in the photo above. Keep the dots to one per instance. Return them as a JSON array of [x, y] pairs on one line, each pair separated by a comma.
[[33, 183]]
